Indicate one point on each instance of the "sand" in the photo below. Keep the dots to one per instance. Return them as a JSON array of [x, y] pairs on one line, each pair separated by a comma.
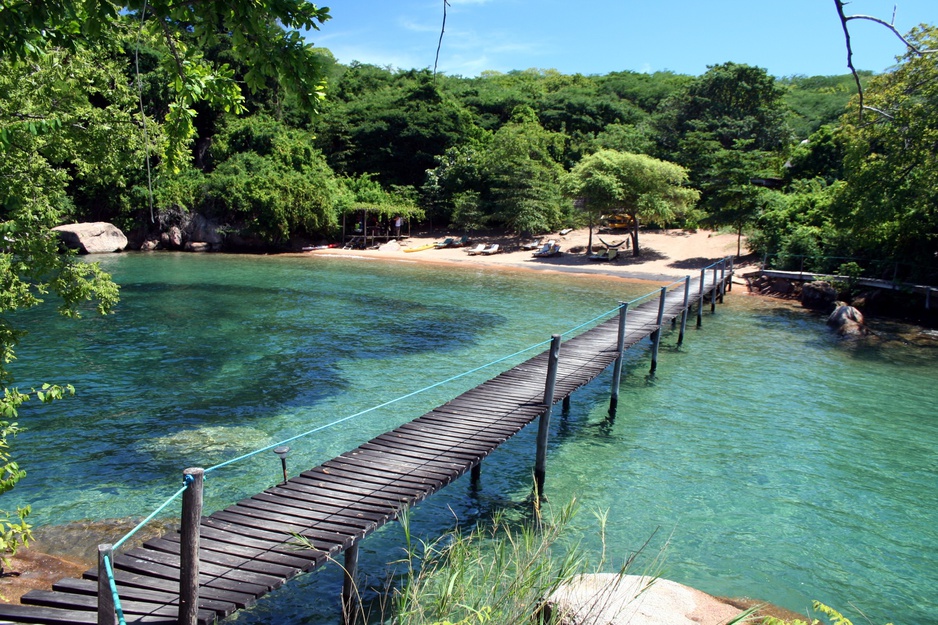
[[665, 255]]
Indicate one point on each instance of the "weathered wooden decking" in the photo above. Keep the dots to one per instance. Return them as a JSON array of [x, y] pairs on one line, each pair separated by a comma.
[[248, 549]]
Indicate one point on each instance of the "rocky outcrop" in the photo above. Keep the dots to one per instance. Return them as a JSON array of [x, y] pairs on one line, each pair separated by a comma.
[[611, 599], [199, 229], [818, 295], [847, 321], [97, 237]]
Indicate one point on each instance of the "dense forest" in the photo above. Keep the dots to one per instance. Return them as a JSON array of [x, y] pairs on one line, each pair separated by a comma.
[[790, 162]]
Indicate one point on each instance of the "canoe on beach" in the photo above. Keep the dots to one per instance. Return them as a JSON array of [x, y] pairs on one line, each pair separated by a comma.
[[420, 248]]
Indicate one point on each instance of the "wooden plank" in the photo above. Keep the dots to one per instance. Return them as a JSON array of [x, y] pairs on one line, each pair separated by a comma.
[[89, 587], [65, 600], [58, 616]]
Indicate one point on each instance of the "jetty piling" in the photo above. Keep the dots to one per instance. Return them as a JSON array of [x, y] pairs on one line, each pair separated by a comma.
[[680, 336], [189, 552], [620, 354], [107, 611], [656, 335], [543, 426], [700, 304]]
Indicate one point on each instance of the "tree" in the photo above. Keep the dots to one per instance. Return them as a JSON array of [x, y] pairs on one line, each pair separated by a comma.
[[265, 36], [394, 132], [889, 202], [524, 174], [643, 187], [730, 107], [65, 115]]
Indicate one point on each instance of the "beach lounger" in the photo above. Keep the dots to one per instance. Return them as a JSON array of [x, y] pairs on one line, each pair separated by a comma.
[[531, 245], [447, 243], [492, 249], [476, 250], [545, 249]]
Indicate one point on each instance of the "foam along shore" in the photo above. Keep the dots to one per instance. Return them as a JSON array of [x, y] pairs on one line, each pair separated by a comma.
[[666, 255]]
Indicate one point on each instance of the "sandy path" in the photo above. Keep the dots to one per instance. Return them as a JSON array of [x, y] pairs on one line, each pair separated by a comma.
[[666, 255]]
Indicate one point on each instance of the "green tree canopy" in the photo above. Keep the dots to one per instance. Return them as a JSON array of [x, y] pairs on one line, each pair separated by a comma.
[[643, 187], [889, 204]]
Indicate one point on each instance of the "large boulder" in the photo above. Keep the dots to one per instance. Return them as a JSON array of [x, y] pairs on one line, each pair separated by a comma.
[[202, 230], [818, 295], [97, 237], [611, 599], [171, 238], [847, 321]]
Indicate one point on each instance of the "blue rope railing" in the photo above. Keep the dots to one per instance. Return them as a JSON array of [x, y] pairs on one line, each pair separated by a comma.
[[595, 320]]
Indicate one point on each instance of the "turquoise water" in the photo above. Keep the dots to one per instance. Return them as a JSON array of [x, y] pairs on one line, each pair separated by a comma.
[[765, 458]]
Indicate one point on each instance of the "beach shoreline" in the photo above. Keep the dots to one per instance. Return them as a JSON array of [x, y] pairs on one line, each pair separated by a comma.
[[665, 255]]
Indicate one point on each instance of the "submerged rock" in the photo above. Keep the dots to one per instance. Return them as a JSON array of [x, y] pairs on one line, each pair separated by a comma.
[[847, 321], [611, 599]]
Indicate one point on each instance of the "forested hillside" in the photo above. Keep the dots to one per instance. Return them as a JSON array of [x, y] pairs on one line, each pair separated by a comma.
[[787, 161]]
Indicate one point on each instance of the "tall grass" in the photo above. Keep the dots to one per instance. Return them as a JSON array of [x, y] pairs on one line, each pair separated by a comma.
[[499, 572], [502, 572]]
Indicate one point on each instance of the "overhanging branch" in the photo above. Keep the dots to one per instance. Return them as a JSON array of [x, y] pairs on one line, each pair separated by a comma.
[[844, 19]]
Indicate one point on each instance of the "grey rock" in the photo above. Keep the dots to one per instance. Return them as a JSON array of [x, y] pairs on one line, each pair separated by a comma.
[[98, 237]]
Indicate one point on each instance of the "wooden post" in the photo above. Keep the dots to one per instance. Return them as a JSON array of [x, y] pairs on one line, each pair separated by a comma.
[[927, 298], [713, 293], [703, 278], [543, 426], [349, 590], [680, 337], [620, 354], [189, 546], [566, 404], [476, 474], [107, 612], [729, 286], [722, 279], [656, 335]]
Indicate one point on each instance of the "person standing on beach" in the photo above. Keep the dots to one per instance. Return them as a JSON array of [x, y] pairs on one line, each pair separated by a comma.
[[397, 226]]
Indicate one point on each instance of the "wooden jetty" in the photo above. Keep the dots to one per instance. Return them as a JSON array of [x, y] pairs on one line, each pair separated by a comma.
[[226, 561]]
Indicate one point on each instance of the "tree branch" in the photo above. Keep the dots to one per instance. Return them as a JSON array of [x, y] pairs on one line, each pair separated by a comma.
[[856, 77], [844, 18], [439, 45]]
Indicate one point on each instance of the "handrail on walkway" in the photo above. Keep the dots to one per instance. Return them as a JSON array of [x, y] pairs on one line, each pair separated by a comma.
[[109, 604]]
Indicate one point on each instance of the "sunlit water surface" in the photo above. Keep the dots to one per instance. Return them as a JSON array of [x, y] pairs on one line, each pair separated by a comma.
[[764, 459]]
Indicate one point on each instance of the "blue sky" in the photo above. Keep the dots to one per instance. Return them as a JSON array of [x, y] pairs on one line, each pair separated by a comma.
[[786, 37]]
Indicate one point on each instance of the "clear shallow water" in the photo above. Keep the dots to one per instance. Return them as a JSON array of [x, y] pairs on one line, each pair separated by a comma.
[[779, 462]]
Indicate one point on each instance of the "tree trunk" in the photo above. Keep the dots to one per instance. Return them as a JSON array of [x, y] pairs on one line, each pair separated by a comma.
[[739, 240], [589, 246], [635, 235]]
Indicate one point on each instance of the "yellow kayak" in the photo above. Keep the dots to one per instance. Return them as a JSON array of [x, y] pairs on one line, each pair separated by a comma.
[[420, 248]]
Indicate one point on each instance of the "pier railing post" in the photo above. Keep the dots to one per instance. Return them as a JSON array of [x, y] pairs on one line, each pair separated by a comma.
[[713, 291], [656, 335], [700, 304], [189, 546], [729, 284], [680, 336], [722, 279], [620, 349], [543, 426], [107, 611], [349, 591]]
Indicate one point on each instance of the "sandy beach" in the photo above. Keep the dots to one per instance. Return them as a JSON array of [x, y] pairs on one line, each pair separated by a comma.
[[665, 255]]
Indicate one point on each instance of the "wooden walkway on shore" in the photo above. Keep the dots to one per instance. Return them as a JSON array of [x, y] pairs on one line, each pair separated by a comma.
[[248, 549]]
